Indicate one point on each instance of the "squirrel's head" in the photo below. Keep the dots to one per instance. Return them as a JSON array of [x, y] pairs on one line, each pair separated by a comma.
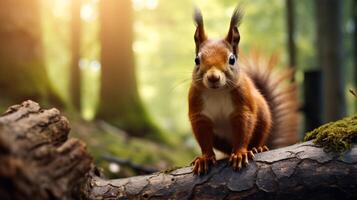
[[216, 60]]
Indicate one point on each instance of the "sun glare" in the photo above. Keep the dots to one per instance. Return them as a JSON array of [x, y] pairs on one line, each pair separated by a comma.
[[145, 4], [88, 12]]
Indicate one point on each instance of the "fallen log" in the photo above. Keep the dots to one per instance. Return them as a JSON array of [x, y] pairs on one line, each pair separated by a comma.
[[38, 161]]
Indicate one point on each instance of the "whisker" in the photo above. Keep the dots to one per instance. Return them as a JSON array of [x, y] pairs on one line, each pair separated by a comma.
[[180, 83], [230, 83], [198, 79], [186, 80]]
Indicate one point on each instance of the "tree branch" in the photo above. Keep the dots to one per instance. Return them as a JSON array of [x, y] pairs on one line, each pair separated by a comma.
[[287, 173]]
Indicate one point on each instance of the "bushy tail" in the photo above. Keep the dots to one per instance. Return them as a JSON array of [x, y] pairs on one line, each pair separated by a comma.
[[281, 95]]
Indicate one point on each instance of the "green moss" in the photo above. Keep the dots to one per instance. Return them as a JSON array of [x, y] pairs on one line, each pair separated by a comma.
[[335, 136]]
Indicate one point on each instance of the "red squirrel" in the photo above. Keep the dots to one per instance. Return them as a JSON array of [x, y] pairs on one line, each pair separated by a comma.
[[238, 106]]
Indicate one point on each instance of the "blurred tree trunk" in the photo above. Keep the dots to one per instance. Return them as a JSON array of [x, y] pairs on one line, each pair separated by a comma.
[[119, 100], [22, 68], [354, 13], [330, 55], [290, 19], [75, 76]]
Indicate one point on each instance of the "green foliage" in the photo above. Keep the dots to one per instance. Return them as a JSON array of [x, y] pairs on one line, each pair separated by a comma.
[[335, 136]]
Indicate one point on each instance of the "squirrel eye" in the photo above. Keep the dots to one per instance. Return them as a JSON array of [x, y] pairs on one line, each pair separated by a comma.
[[197, 60], [232, 59]]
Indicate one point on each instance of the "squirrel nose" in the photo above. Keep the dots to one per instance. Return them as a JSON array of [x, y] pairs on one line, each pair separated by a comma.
[[213, 78]]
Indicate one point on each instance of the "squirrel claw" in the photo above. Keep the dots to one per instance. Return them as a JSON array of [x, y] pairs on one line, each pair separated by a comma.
[[260, 149], [201, 164], [240, 159]]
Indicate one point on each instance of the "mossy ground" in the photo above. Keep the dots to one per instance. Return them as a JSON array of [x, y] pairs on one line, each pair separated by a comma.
[[103, 139], [335, 136]]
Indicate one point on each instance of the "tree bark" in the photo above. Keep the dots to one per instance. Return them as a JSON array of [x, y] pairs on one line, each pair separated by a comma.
[[22, 68], [39, 162], [301, 171], [330, 55], [120, 104], [75, 75]]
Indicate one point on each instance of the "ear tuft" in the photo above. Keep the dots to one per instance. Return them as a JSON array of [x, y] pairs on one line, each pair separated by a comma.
[[197, 16], [237, 16], [233, 36], [200, 35]]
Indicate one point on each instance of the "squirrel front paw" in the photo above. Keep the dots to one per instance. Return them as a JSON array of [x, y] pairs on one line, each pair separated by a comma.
[[201, 164], [240, 159]]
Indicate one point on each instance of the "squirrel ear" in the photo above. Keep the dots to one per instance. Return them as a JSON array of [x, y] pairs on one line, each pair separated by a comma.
[[233, 36], [200, 35]]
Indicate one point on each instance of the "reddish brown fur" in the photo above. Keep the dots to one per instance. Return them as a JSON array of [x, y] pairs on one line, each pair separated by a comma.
[[251, 119], [257, 99], [214, 53], [280, 95]]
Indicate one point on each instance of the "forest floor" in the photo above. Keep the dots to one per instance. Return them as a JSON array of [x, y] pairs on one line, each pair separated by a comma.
[[102, 139]]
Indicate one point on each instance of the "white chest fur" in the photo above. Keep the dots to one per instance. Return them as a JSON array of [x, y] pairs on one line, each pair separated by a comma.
[[218, 106]]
